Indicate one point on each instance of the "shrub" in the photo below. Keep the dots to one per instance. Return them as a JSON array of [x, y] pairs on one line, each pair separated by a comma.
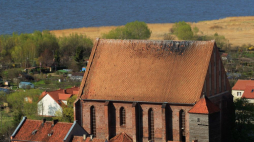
[[182, 30], [132, 30]]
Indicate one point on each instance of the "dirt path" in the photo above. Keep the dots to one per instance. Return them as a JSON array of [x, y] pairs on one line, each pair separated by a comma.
[[238, 30]]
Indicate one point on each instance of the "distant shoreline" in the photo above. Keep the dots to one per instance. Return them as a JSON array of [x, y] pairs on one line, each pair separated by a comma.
[[238, 30]]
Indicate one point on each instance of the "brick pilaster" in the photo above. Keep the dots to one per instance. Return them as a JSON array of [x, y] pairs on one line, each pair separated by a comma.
[[134, 122]]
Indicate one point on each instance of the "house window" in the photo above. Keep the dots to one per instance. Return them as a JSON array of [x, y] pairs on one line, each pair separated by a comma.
[[198, 119], [151, 124], [122, 116], [239, 93], [182, 124], [92, 121]]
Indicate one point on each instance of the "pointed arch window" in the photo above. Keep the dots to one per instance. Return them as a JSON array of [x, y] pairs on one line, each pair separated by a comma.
[[182, 124], [92, 121], [122, 116], [151, 124]]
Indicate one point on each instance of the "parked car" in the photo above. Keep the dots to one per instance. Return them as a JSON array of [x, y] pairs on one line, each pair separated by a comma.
[[26, 85]]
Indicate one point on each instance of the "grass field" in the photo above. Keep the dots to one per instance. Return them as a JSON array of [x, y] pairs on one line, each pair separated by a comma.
[[238, 30]]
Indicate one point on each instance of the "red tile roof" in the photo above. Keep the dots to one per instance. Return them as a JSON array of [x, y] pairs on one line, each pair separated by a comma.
[[241, 84], [122, 137], [204, 106], [80, 139], [61, 94], [248, 92], [224, 54], [143, 70], [58, 131]]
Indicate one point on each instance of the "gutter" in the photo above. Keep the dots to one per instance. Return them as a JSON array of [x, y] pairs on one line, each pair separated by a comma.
[[70, 130], [184, 104], [218, 94], [19, 126]]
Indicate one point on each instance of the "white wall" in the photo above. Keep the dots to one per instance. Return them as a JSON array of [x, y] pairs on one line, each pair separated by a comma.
[[47, 106], [234, 93], [251, 101]]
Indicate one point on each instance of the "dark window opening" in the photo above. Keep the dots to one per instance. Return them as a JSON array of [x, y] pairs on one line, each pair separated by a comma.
[[151, 125], [182, 125], [122, 116], [93, 121]]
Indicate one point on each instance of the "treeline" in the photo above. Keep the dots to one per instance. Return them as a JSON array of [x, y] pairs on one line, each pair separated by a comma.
[[43, 48]]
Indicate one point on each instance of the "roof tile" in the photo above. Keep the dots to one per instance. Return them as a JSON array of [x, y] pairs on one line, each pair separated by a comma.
[[33, 130], [143, 70], [122, 137], [204, 106], [241, 84], [248, 92]]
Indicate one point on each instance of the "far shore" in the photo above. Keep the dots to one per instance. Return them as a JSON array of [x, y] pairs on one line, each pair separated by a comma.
[[238, 30]]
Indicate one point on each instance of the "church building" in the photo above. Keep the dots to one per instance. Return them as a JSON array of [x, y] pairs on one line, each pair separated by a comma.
[[162, 91]]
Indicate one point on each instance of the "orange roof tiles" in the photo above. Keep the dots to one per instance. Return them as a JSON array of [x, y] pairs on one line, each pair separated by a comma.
[[61, 94], [58, 131], [248, 92], [80, 139], [241, 84], [204, 106], [122, 137], [143, 70]]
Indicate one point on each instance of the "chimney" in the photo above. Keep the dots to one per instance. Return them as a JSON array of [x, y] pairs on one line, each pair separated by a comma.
[[64, 91], [54, 122], [84, 136], [91, 137], [43, 121]]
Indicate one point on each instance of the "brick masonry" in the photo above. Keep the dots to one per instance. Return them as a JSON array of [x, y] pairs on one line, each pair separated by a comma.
[[166, 116]]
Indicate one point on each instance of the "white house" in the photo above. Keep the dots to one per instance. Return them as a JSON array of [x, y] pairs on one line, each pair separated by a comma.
[[240, 86], [51, 102]]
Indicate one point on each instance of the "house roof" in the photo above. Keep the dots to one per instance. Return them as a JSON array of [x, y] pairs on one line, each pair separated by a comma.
[[80, 139], [33, 130], [61, 94], [145, 70], [224, 54], [248, 92], [204, 106], [122, 137], [241, 84]]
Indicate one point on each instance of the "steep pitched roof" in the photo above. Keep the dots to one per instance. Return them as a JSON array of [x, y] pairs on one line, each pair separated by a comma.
[[241, 84], [122, 137], [33, 130], [61, 94], [204, 106], [143, 70], [248, 92], [80, 139]]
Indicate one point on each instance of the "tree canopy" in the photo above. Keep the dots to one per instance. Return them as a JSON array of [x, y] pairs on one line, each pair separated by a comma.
[[182, 30], [132, 30], [45, 48]]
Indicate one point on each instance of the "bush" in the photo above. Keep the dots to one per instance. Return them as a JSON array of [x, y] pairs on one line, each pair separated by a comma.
[[132, 30], [182, 30]]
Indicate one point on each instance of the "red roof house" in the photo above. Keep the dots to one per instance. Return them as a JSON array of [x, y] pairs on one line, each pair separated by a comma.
[[52, 101], [46, 131], [240, 86]]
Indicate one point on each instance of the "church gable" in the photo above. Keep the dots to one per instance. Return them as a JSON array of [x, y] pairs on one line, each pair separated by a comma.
[[152, 71], [216, 79]]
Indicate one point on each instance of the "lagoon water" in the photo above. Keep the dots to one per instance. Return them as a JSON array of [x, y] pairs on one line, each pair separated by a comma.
[[26, 16]]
